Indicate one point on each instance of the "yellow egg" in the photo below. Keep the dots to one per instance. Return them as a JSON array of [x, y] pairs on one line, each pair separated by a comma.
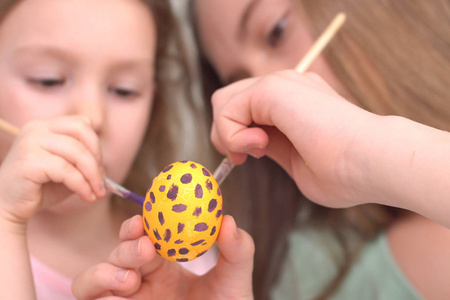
[[182, 212]]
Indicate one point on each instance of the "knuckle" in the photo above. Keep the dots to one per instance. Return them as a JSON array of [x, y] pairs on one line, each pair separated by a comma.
[[98, 271], [287, 73], [82, 123], [217, 96], [68, 175], [30, 128], [314, 77]]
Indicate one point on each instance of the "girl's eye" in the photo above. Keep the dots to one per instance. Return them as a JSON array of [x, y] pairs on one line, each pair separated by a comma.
[[277, 32], [123, 92], [47, 82]]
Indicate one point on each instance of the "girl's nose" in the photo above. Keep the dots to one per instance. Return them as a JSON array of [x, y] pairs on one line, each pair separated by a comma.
[[264, 67], [262, 63], [89, 101]]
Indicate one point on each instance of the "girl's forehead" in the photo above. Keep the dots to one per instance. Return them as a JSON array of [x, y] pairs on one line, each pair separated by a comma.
[[94, 16], [73, 23]]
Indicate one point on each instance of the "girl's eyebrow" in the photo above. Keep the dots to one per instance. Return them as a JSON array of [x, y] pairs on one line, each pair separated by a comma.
[[43, 50], [242, 29], [56, 52]]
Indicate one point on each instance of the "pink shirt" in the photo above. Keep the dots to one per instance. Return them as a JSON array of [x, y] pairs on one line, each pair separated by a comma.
[[50, 284]]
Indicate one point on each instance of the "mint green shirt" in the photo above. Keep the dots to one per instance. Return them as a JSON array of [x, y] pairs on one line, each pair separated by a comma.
[[311, 264]]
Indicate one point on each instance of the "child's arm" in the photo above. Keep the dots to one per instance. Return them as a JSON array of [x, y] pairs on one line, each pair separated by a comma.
[[134, 269], [16, 280], [47, 161], [338, 154]]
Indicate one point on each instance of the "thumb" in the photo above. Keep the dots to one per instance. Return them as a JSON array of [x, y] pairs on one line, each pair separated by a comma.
[[235, 263]]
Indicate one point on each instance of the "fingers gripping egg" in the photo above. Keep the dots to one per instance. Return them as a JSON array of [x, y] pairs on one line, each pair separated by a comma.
[[182, 211]]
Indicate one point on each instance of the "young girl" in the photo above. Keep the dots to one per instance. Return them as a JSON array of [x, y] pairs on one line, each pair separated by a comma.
[[79, 79], [380, 60]]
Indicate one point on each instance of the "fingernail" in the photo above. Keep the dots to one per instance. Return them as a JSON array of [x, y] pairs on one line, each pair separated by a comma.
[[128, 226], [102, 189], [87, 120], [257, 152], [121, 275], [137, 248], [236, 232]]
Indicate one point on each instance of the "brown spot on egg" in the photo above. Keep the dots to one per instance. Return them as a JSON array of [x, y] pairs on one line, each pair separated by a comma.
[[200, 227], [148, 206], [197, 243], [209, 185], [197, 211], [162, 188], [152, 197], [179, 208], [212, 205], [198, 191], [183, 251], [156, 234], [201, 253], [167, 235], [167, 168], [161, 218], [171, 252], [180, 227], [182, 259], [186, 178], [206, 172], [173, 192]]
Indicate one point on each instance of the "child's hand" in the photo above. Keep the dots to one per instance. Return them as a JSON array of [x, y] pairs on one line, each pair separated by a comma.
[[301, 123], [136, 271], [48, 160]]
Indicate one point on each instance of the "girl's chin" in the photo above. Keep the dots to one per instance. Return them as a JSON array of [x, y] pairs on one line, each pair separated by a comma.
[[73, 205]]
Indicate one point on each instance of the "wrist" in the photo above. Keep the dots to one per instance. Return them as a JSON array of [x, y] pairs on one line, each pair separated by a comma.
[[364, 157], [11, 226], [389, 161]]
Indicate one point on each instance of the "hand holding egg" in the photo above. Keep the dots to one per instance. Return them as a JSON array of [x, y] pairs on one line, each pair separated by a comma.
[[182, 212]]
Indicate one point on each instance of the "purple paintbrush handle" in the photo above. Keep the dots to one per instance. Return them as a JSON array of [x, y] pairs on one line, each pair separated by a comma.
[[122, 192]]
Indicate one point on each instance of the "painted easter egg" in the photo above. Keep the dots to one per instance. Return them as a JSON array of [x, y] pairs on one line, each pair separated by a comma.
[[182, 212]]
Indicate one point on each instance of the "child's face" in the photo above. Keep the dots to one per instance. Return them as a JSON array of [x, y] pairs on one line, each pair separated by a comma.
[[246, 38], [88, 57]]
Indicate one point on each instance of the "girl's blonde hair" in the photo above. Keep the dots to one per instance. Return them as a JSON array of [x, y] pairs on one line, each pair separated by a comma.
[[179, 125], [392, 55]]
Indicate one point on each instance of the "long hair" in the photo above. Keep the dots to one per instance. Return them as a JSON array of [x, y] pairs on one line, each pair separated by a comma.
[[393, 57], [179, 126]]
